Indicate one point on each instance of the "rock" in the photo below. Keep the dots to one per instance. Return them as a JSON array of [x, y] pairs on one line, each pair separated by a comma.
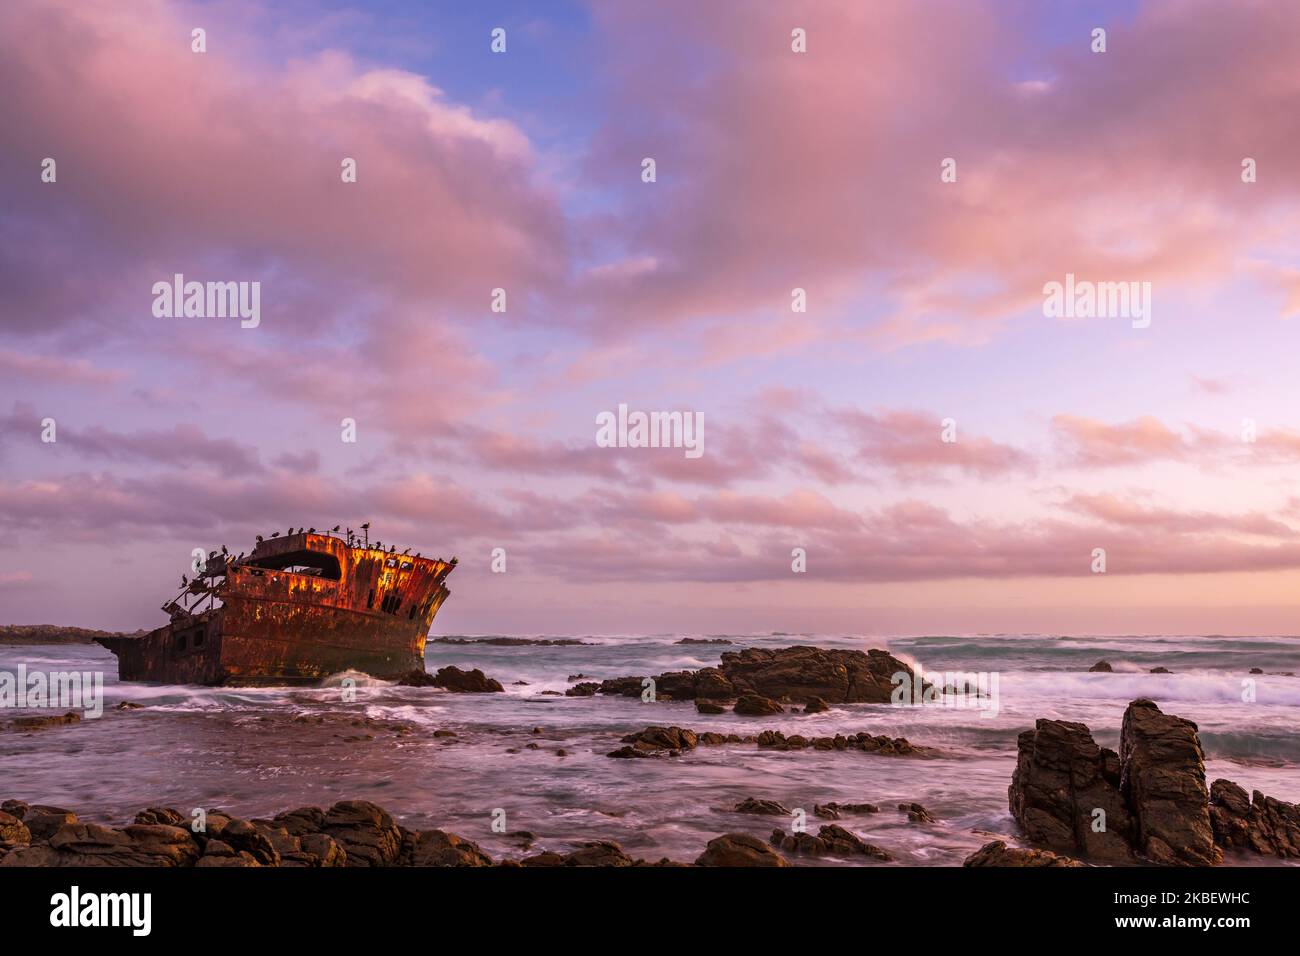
[[1256, 670], [832, 839], [1101, 667], [44, 822], [585, 689], [220, 853], [739, 849], [366, 832], [245, 837], [626, 752], [41, 722], [703, 640], [90, 844], [439, 848], [1163, 782], [546, 858], [662, 738], [417, 678], [815, 705], [754, 705], [796, 673], [1160, 670], [832, 811], [13, 832], [599, 853], [302, 821], [465, 682], [165, 816], [1258, 824], [916, 813], [318, 849], [754, 805], [1061, 778], [709, 707], [128, 705], [998, 853]]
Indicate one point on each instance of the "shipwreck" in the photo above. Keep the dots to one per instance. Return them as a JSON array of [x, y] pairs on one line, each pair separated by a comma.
[[295, 610]]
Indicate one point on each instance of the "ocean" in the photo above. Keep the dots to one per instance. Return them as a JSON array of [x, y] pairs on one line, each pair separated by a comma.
[[538, 763]]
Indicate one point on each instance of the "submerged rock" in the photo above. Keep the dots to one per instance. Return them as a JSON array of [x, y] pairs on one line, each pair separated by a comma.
[[753, 705], [830, 840], [465, 682], [1101, 667]]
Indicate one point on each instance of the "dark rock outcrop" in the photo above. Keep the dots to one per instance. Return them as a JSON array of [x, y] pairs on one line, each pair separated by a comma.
[[998, 853], [1101, 667], [739, 849], [1162, 778], [790, 673], [367, 832], [830, 840], [1254, 823], [815, 705], [709, 707], [417, 678], [465, 682], [754, 705], [662, 738], [585, 689], [439, 848], [1061, 779], [767, 807]]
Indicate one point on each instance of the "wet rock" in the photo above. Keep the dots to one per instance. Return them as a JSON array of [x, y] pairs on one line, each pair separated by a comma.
[[815, 705], [546, 858], [754, 705], [585, 689], [1256, 670], [220, 853], [709, 707], [624, 753], [599, 853], [998, 853], [833, 811], [755, 805], [365, 831], [465, 682], [44, 822], [439, 848], [662, 738], [317, 849], [831, 839], [13, 832], [1160, 670], [417, 678], [739, 849], [916, 813], [1254, 823], [1061, 779], [43, 721], [1163, 782], [165, 816], [302, 821], [712, 684], [128, 705], [1101, 667], [90, 844]]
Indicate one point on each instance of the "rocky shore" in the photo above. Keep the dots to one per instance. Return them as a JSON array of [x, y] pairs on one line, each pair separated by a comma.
[[1146, 805], [350, 833]]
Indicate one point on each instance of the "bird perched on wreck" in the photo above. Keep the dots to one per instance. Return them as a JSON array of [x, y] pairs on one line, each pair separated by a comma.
[[335, 528], [311, 530], [184, 581], [224, 551], [275, 534], [259, 538]]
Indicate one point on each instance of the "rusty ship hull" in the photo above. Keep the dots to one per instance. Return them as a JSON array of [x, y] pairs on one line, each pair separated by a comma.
[[299, 609]]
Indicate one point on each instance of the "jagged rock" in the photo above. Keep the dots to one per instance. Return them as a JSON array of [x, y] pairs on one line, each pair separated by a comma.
[[815, 705], [1061, 778], [754, 705], [13, 832], [709, 707], [466, 682], [998, 853], [1160, 670], [624, 753], [1163, 782], [662, 738], [546, 858], [165, 816], [302, 821], [754, 805], [365, 831], [1256, 823], [220, 853], [831, 839], [439, 848], [916, 813], [44, 822], [1257, 670], [796, 673], [417, 678], [1101, 667], [90, 844], [739, 849], [585, 689], [318, 849]]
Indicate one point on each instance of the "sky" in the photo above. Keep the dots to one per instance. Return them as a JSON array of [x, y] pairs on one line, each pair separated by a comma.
[[1171, 447]]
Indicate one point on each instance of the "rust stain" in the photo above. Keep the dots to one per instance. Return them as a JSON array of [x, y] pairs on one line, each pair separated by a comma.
[[297, 609]]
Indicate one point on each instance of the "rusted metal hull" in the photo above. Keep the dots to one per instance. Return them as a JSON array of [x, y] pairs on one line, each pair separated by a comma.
[[278, 626]]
